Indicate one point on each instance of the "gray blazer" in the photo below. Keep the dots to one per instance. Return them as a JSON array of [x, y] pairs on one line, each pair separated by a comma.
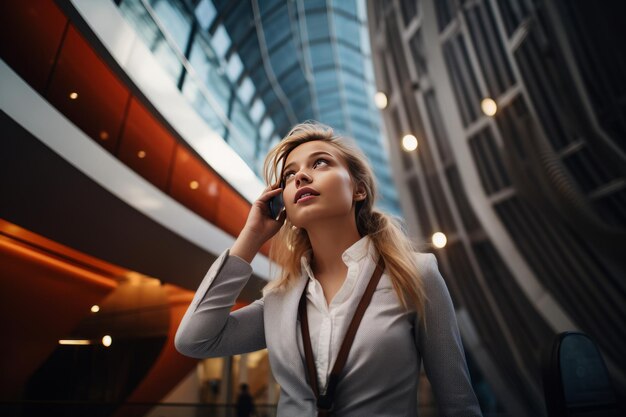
[[382, 372]]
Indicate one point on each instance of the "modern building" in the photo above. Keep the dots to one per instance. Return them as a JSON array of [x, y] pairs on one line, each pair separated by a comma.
[[518, 111], [133, 134], [270, 65]]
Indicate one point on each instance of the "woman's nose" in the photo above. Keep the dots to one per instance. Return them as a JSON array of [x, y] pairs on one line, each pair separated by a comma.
[[302, 176]]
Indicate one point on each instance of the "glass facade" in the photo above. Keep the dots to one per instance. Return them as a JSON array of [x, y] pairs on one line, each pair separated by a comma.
[[253, 70]]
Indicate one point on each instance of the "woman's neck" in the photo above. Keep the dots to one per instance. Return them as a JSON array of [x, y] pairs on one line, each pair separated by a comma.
[[328, 243]]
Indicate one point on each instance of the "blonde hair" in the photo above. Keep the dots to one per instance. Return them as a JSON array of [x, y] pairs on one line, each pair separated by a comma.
[[290, 243]]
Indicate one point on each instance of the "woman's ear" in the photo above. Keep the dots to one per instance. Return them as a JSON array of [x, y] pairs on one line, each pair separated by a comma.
[[360, 194]]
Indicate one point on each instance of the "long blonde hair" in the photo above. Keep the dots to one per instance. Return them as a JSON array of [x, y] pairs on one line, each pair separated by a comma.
[[290, 243]]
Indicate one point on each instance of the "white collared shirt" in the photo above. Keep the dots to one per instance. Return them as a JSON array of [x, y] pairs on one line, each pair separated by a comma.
[[329, 323]]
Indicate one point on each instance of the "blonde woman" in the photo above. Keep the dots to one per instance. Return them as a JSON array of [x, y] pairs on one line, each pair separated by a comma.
[[336, 252]]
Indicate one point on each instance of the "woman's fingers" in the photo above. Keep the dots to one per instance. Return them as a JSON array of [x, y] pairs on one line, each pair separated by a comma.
[[266, 196]]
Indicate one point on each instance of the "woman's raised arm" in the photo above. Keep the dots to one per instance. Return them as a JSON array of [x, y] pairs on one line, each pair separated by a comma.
[[208, 328]]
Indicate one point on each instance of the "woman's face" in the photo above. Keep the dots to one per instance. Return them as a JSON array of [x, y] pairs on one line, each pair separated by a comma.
[[317, 166]]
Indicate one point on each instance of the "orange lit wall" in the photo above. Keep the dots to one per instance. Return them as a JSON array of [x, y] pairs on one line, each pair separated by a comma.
[[42, 298], [58, 62]]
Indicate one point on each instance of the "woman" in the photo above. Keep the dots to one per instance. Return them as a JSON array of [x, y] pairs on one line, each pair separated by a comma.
[[329, 241]]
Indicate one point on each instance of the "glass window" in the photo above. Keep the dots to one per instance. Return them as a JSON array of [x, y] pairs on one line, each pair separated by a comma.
[[438, 127], [446, 9], [349, 7], [267, 6], [250, 53], [149, 32], [418, 198], [314, 5], [283, 58], [204, 62], [347, 29], [489, 49], [409, 10], [176, 20], [192, 93], [317, 26], [293, 79], [267, 128], [487, 157], [350, 59], [257, 110], [514, 12], [234, 67], [276, 28], [259, 78], [301, 101], [246, 90], [463, 78], [321, 56], [221, 41], [329, 99], [549, 87], [458, 193], [326, 77], [205, 13], [353, 82], [243, 137], [239, 20], [416, 44]]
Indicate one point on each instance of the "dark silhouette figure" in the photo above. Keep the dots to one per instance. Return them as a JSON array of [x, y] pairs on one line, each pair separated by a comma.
[[245, 404]]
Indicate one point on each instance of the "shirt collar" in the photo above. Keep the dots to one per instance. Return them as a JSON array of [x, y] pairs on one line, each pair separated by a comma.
[[352, 255]]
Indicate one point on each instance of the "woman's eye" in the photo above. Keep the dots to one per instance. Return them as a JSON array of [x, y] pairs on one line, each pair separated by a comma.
[[290, 173]]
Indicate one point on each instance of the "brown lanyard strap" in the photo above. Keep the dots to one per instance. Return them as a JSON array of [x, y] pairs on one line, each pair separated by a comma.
[[325, 402]]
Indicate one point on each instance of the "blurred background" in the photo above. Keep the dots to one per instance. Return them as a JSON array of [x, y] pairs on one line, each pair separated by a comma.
[[133, 135]]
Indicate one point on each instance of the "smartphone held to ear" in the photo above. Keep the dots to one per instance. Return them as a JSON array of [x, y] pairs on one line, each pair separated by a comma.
[[277, 204]]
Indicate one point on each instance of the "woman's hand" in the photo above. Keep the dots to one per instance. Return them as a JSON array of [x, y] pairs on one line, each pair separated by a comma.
[[259, 227]]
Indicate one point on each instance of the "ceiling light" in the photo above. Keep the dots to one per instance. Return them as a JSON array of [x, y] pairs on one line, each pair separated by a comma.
[[193, 184], [439, 240], [141, 154], [409, 143], [489, 106], [73, 95], [107, 340], [380, 99], [75, 342], [95, 308]]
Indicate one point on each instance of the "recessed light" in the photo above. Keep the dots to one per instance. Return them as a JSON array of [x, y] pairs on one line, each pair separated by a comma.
[[489, 106], [439, 239], [380, 99], [409, 143]]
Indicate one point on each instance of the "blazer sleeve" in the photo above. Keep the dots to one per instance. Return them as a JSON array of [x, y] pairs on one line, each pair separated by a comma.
[[208, 328], [439, 343]]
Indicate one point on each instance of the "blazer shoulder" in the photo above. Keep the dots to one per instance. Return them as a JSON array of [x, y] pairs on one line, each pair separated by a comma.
[[425, 261]]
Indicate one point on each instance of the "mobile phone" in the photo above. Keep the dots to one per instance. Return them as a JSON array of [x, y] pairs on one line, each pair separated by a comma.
[[277, 204]]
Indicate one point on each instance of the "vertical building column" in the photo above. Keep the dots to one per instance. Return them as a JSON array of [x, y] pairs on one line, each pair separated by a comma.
[[271, 388], [226, 390], [243, 368]]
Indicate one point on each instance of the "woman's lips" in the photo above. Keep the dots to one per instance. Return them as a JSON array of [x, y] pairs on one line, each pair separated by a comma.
[[307, 198]]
